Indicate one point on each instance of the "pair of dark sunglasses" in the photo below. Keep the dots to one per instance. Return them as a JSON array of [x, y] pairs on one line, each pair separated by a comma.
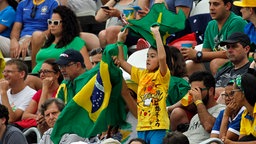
[[96, 51]]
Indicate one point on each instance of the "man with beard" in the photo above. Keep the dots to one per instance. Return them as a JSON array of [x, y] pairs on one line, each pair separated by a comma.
[[202, 90], [72, 67], [238, 48]]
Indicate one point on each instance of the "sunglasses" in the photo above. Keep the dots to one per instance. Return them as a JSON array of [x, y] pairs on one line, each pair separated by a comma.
[[234, 45], [45, 72], [65, 66], [33, 13], [232, 93], [54, 22], [96, 51], [202, 89]]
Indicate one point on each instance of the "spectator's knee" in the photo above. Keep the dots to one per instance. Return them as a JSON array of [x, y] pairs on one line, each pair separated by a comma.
[[38, 38], [178, 114]]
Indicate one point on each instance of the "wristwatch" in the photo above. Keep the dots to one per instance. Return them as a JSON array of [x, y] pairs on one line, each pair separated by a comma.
[[199, 55]]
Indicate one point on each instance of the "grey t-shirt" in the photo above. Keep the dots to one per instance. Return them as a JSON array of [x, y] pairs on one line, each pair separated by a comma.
[[13, 135], [113, 21], [196, 132], [224, 75]]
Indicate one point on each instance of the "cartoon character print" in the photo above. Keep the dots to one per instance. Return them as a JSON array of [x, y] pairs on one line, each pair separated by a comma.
[[149, 105]]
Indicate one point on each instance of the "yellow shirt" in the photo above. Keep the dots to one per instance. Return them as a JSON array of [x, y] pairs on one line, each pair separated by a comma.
[[2, 65], [151, 99], [248, 123]]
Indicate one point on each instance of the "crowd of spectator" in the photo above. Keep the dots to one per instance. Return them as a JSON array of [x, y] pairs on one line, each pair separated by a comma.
[[66, 39]]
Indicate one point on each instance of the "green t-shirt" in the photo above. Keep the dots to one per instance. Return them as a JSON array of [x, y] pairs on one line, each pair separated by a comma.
[[213, 36], [52, 52]]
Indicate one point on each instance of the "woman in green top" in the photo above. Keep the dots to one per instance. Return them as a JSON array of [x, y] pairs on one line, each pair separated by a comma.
[[65, 31]]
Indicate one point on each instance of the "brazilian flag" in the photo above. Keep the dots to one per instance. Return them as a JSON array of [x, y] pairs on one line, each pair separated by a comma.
[[168, 21], [97, 105]]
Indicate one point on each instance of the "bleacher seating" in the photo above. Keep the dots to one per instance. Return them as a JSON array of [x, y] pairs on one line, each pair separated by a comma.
[[201, 7], [198, 24]]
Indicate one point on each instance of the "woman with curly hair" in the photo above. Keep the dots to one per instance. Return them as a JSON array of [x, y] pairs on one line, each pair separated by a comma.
[[65, 31]]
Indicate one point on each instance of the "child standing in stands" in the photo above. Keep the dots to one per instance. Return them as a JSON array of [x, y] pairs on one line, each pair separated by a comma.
[[152, 89]]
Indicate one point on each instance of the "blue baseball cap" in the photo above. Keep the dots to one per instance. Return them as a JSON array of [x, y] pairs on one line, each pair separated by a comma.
[[70, 55]]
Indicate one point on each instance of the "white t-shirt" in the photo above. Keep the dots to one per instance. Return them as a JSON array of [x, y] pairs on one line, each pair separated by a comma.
[[20, 100], [196, 132]]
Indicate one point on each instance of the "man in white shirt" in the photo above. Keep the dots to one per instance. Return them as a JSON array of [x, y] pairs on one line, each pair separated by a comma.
[[14, 93]]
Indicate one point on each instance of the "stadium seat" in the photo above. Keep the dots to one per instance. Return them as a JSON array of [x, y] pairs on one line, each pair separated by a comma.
[[31, 130], [138, 59], [201, 7], [198, 24], [212, 140]]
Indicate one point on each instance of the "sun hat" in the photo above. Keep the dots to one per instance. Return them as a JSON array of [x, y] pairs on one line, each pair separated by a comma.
[[245, 3]]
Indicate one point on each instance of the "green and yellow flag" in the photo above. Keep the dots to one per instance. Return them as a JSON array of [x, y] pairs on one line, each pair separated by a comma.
[[168, 21], [97, 105]]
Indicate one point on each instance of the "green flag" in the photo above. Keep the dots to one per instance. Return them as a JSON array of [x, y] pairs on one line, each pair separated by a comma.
[[168, 21], [97, 105], [178, 88]]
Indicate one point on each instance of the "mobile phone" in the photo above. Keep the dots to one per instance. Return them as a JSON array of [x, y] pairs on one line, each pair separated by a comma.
[[124, 21], [105, 7], [136, 8]]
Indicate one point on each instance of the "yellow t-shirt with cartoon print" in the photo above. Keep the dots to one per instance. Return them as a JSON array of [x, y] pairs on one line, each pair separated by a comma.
[[151, 99]]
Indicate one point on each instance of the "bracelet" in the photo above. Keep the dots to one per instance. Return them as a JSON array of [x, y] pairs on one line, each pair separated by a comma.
[[119, 43], [197, 102]]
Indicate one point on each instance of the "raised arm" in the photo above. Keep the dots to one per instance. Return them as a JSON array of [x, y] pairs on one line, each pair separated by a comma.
[[160, 50], [85, 55], [13, 115], [120, 43]]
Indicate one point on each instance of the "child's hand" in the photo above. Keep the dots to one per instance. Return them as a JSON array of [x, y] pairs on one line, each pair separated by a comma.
[[155, 29], [116, 61], [122, 35]]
